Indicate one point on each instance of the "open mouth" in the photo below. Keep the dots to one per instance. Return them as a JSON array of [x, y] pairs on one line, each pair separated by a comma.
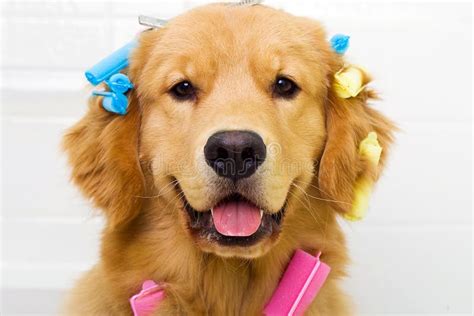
[[234, 221]]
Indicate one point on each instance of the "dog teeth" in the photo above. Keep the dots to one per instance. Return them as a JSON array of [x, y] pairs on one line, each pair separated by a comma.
[[261, 214], [212, 212]]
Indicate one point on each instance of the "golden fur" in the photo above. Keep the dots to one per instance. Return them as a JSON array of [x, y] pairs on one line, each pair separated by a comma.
[[129, 165]]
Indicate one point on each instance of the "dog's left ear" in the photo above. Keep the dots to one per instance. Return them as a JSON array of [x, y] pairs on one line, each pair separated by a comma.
[[348, 122]]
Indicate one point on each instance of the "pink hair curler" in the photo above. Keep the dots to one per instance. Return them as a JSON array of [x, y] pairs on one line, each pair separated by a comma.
[[145, 302], [301, 282]]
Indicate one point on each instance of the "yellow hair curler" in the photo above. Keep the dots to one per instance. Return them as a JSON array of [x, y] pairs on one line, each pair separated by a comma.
[[370, 150], [350, 81]]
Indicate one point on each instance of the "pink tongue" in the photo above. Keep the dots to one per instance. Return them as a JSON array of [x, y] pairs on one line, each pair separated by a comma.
[[237, 219]]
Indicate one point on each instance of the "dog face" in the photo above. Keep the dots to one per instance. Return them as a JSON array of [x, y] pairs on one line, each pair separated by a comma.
[[232, 115], [242, 122]]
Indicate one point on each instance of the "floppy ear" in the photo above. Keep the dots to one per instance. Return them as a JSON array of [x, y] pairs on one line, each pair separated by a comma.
[[103, 151], [348, 122], [103, 148]]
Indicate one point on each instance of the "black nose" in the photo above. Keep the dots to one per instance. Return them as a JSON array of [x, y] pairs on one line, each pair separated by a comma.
[[235, 154]]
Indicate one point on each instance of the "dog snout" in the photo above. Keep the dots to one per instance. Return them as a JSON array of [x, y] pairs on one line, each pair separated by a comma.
[[235, 154]]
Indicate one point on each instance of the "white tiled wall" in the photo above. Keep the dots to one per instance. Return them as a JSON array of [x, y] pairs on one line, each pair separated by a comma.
[[412, 255]]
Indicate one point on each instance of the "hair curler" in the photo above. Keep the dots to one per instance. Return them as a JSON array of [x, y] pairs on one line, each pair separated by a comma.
[[107, 70], [110, 65], [301, 282]]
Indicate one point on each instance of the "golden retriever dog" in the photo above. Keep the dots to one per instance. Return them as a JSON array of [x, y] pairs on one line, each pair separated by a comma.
[[234, 153]]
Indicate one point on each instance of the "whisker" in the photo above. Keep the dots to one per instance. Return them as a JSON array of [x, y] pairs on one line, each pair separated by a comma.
[[325, 221], [173, 200], [160, 192], [309, 208], [322, 199], [312, 185], [306, 197]]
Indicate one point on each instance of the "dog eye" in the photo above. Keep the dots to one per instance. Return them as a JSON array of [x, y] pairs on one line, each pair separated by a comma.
[[183, 91], [285, 88]]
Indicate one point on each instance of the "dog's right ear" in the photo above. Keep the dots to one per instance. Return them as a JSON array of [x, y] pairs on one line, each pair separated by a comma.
[[103, 151]]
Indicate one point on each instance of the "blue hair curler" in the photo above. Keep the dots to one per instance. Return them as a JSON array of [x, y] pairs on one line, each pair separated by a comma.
[[107, 70], [115, 100], [110, 65], [119, 83], [340, 43]]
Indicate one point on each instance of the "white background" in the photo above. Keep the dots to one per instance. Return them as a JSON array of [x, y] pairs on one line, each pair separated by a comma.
[[412, 255]]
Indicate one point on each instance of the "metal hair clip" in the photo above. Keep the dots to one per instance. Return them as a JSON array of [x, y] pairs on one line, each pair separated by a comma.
[[151, 21], [246, 3]]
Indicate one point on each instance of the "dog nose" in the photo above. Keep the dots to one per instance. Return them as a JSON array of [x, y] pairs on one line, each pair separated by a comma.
[[235, 154]]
